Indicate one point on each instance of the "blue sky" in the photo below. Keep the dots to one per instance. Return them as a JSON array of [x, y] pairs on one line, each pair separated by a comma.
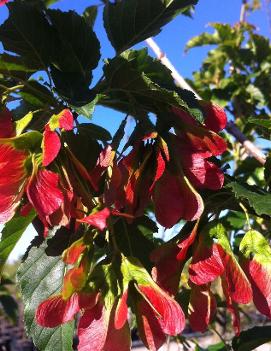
[[172, 41]]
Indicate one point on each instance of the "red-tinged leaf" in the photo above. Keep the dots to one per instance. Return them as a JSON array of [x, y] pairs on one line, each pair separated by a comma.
[[202, 173], [205, 140], [12, 179], [149, 329], [26, 209], [215, 116], [56, 311], [117, 338], [232, 306], [74, 280], [185, 243], [104, 161], [6, 124], [51, 145], [62, 216], [260, 279], [185, 202], [72, 254], [92, 329], [43, 192], [3, 2], [160, 169], [97, 219], [66, 120], [256, 262], [121, 313], [83, 171], [170, 314], [238, 284], [167, 270], [202, 307], [207, 263]]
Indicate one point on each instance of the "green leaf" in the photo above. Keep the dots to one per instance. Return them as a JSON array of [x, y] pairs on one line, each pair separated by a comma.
[[261, 203], [88, 109], [237, 220], [136, 238], [28, 141], [11, 233], [132, 79], [37, 95], [78, 47], [32, 38], [10, 307], [201, 40], [22, 123], [255, 94], [95, 131], [40, 277], [90, 15], [128, 22], [255, 245], [265, 123], [77, 53], [219, 233], [10, 64], [252, 338]]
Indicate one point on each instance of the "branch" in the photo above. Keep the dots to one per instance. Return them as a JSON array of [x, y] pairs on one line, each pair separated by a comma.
[[231, 128]]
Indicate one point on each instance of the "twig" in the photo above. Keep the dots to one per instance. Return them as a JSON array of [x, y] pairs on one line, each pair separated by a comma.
[[166, 62], [231, 128], [252, 149], [243, 11]]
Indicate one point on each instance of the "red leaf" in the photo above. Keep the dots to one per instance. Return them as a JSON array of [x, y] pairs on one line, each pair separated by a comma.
[[175, 199], [170, 314], [74, 280], [160, 168], [12, 178], [238, 285], [167, 270], [232, 307], [205, 140], [184, 244], [6, 124], [51, 146], [202, 173], [260, 279], [121, 313], [97, 219], [117, 338], [72, 254], [201, 138], [66, 120], [3, 2], [56, 311], [92, 329], [202, 307], [43, 192], [207, 263], [105, 160], [215, 116], [149, 329]]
